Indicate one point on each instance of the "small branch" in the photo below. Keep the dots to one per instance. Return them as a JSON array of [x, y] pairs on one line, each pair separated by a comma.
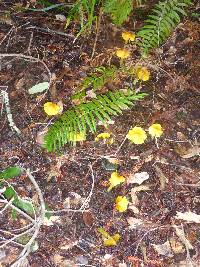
[[15, 236], [6, 205], [7, 34], [97, 32], [17, 209], [49, 31], [38, 223], [65, 210], [5, 97], [13, 242], [91, 191], [122, 143]]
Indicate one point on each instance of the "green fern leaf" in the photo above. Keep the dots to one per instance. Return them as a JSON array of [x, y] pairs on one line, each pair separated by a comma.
[[85, 116], [164, 18], [118, 9]]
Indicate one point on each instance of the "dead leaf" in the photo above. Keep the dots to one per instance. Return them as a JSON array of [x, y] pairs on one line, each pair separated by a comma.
[[191, 152], [91, 94], [137, 178], [61, 262], [163, 249], [122, 264], [143, 249], [133, 208], [51, 220], [67, 203], [134, 222], [140, 188], [60, 17], [40, 136], [134, 199], [180, 233], [88, 218], [188, 216], [176, 246], [187, 151], [163, 179], [69, 245], [19, 84]]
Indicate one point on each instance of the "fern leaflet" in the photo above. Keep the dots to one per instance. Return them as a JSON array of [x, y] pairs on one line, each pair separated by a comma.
[[85, 116], [95, 80], [165, 16], [118, 9]]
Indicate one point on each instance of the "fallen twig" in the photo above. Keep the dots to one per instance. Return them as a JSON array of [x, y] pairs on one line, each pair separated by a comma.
[[5, 98]]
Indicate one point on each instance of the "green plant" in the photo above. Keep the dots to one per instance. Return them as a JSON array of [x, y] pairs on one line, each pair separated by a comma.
[[84, 11], [79, 118], [99, 77], [96, 80], [164, 18], [119, 10], [10, 195]]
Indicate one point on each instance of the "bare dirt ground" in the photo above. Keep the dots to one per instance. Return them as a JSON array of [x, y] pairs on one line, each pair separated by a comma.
[[173, 166]]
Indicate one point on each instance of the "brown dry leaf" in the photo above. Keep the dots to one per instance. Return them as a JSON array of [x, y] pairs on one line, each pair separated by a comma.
[[188, 216], [61, 262], [40, 136], [134, 222], [134, 198], [191, 152], [188, 151], [192, 236], [180, 233], [140, 188], [137, 178], [69, 245], [88, 218], [163, 179], [176, 246], [91, 94], [133, 208], [51, 221], [134, 203], [10, 256], [163, 249], [143, 249], [67, 203], [19, 84]]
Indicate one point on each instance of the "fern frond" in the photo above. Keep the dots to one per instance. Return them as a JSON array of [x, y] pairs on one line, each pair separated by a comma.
[[118, 9], [84, 117], [165, 16], [95, 80], [99, 77]]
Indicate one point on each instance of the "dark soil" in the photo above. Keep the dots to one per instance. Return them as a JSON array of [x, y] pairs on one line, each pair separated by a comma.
[[173, 101]]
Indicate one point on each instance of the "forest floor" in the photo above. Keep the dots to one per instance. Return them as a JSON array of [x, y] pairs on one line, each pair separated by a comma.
[[152, 233]]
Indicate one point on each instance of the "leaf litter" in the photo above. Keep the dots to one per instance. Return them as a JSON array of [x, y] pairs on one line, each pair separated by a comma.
[[174, 107]]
